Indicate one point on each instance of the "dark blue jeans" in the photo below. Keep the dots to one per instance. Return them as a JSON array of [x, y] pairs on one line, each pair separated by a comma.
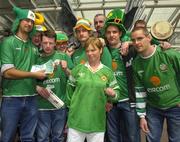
[[51, 125], [155, 119], [20, 111], [122, 124]]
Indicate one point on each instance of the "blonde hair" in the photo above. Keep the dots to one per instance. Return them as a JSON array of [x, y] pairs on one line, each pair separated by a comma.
[[95, 42]]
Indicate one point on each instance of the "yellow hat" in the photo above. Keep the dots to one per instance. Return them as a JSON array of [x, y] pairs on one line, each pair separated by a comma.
[[39, 20], [84, 23], [40, 28]]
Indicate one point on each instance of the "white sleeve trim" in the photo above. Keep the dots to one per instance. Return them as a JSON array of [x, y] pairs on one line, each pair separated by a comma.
[[141, 94], [141, 105], [142, 115], [6, 67]]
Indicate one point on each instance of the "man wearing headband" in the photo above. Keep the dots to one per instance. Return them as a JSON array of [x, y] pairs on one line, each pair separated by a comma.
[[83, 31]]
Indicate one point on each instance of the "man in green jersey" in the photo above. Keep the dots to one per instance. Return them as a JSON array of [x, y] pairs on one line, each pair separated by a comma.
[[52, 120], [19, 104], [83, 31], [157, 88], [121, 116]]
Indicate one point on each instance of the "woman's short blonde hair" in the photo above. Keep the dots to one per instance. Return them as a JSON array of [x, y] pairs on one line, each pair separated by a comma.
[[95, 42]]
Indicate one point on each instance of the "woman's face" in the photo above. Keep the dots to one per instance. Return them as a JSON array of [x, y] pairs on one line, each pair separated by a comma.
[[93, 53]]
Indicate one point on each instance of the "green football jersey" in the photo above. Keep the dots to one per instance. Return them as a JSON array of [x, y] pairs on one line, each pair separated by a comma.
[[79, 57], [156, 80], [21, 55], [55, 81], [86, 97], [119, 71]]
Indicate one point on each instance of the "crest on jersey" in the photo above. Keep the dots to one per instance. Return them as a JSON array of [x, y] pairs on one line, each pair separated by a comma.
[[82, 61], [103, 78], [163, 67], [114, 65]]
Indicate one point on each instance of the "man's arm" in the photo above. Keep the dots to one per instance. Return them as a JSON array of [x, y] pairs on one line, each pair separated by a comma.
[[13, 73]]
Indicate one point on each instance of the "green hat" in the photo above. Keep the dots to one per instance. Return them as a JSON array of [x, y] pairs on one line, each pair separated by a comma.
[[20, 15], [116, 17], [61, 37]]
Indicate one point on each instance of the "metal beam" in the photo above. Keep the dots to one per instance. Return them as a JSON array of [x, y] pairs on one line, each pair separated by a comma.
[[11, 3], [121, 6], [56, 3], [9, 18], [3, 23], [173, 14], [149, 14], [156, 1], [33, 3], [103, 3], [48, 9], [49, 22]]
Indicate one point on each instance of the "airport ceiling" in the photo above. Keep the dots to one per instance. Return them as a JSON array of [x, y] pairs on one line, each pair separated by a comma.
[[56, 11]]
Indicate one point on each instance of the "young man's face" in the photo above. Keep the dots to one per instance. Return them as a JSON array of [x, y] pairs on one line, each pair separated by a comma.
[[26, 25], [82, 34], [62, 46], [36, 39], [113, 35], [140, 41], [48, 45], [99, 22]]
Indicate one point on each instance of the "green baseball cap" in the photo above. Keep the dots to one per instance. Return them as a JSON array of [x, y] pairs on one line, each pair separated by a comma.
[[61, 37]]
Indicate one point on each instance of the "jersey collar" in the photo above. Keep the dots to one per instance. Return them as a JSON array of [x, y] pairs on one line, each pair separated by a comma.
[[89, 67]]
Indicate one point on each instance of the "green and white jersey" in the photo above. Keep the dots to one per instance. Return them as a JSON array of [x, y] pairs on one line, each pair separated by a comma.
[[86, 97], [55, 81], [79, 57], [120, 73], [156, 80], [19, 54]]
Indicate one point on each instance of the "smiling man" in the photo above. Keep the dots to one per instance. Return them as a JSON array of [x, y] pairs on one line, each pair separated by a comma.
[[18, 54], [156, 74]]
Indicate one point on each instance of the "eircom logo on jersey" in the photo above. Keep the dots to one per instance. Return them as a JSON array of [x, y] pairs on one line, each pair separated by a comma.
[[156, 82], [159, 89]]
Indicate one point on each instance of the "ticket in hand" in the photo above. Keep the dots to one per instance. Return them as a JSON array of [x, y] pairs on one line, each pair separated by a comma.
[[48, 67], [57, 102]]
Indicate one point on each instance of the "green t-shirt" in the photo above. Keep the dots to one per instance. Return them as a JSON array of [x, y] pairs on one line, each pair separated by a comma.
[[120, 73], [86, 97], [156, 80], [55, 81], [21, 55], [79, 57]]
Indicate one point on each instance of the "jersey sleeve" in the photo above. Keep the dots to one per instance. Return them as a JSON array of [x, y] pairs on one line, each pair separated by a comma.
[[106, 58], [174, 57], [70, 87], [7, 57], [114, 85], [140, 94], [69, 62]]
